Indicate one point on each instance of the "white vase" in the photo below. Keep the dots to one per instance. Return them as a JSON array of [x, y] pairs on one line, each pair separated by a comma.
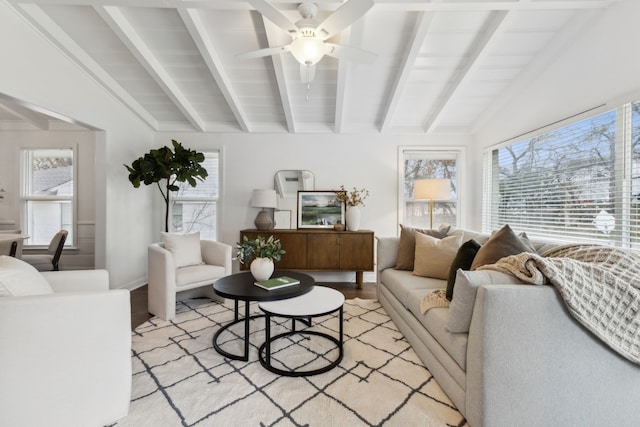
[[261, 268], [353, 216]]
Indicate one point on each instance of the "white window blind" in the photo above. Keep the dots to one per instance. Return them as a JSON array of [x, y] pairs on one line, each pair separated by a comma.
[[577, 183]]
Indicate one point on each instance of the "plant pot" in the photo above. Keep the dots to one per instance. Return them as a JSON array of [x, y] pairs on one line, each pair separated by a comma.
[[261, 268], [353, 216]]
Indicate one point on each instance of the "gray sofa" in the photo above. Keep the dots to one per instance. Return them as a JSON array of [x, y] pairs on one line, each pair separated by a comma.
[[524, 362]]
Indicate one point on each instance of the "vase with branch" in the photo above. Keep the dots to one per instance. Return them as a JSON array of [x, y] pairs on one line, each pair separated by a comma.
[[262, 252], [353, 200]]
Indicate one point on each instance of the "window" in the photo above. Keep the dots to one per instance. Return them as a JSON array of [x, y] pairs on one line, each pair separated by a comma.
[[195, 208], [581, 182], [419, 163], [47, 194]]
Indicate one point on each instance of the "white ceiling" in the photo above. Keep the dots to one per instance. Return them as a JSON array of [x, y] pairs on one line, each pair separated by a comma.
[[442, 67]]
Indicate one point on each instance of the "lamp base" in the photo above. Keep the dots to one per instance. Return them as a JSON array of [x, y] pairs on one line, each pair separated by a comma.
[[263, 221]]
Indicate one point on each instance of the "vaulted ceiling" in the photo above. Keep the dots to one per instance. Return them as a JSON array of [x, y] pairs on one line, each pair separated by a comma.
[[443, 66]]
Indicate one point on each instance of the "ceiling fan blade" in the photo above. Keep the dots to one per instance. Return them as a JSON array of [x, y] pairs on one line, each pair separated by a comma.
[[349, 53], [307, 73], [344, 16], [265, 52], [274, 15]]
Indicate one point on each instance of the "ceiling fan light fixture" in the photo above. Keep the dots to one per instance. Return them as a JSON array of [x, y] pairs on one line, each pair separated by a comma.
[[307, 51]]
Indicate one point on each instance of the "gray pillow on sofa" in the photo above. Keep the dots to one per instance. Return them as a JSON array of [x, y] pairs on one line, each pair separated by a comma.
[[502, 243], [464, 295]]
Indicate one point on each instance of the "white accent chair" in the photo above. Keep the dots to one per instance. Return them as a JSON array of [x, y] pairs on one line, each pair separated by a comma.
[[168, 275], [65, 347], [50, 260]]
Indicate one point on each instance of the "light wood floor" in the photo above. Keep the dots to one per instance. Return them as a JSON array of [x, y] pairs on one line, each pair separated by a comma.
[[140, 314]]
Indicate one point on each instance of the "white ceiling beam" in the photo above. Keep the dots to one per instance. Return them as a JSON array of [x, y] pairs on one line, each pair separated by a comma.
[[200, 36], [413, 50], [38, 120], [384, 5], [36, 16], [471, 61], [130, 37], [272, 33]]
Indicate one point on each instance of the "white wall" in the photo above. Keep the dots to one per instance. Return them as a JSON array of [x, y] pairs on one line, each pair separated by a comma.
[[251, 161], [35, 71]]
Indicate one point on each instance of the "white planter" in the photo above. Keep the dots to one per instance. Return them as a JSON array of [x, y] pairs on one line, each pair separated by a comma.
[[261, 268], [353, 217]]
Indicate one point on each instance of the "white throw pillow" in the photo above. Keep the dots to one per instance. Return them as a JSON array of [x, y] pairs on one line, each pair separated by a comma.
[[464, 295], [184, 247], [434, 256], [18, 278]]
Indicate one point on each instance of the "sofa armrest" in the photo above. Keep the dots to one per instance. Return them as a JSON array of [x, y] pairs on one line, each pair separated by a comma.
[[529, 362], [77, 280], [68, 355], [387, 252], [216, 253]]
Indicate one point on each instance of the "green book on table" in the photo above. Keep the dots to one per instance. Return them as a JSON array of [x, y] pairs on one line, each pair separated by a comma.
[[277, 282]]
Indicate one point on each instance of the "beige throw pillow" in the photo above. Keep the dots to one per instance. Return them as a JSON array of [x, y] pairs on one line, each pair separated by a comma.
[[18, 278], [433, 256], [407, 244], [185, 248]]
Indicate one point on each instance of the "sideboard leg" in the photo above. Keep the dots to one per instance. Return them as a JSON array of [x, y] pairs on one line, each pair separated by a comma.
[[359, 278]]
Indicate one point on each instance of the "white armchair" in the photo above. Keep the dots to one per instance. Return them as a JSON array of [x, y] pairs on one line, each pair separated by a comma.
[[166, 280], [65, 357]]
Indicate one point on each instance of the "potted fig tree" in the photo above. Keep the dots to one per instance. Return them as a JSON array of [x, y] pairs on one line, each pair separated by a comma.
[[171, 166]]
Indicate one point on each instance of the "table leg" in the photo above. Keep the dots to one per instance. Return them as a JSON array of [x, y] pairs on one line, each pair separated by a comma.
[[359, 278], [267, 341], [246, 330]]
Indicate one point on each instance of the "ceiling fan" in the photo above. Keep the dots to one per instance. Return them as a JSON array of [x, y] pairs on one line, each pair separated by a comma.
[[309, 43]]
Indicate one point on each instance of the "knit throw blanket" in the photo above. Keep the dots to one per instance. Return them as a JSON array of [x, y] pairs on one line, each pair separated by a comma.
[[600, 286]]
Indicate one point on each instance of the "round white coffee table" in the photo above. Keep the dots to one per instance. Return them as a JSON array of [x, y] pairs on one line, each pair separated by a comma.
[[320, 301]]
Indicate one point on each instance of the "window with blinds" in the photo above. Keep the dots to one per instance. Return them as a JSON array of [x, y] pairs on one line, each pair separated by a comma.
[[577, 183]]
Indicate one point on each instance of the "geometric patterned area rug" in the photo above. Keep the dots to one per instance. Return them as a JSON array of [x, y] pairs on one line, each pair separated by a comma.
[[179, 379]]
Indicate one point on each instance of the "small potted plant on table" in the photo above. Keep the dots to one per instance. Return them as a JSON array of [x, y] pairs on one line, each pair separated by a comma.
[[264, 251]]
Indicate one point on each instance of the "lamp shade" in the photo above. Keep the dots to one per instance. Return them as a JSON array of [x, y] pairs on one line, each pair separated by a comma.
[[264, 199], [307, 50], [431, 189]]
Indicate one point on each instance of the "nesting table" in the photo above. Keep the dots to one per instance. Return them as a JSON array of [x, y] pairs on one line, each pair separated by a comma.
[[320, 301], [241, 287]]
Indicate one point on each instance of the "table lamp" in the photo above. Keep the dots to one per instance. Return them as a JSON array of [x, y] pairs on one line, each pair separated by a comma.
[[264, 199], [431, 189]]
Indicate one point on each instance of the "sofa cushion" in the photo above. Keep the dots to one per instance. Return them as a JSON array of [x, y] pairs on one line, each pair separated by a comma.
[[435, 321], [463, 259], [185, 248], [18, 278], [407, 244], [464, 295], [502, 243], [401, 282], [434, 256]]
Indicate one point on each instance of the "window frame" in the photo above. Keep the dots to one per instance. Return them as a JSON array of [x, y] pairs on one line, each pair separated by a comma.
[[25, 197], [216, 199], [458, 152]]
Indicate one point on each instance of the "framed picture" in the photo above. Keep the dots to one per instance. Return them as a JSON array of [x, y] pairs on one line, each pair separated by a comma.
[[319, 209]]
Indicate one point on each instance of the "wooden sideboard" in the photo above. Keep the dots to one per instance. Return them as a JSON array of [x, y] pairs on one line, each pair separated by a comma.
[[322, 250]]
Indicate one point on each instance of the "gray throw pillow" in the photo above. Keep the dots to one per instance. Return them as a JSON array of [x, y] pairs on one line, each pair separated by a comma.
[[502, 243], [464, 295]]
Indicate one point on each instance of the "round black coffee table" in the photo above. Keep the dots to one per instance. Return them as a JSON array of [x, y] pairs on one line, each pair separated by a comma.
[[241, 287]]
